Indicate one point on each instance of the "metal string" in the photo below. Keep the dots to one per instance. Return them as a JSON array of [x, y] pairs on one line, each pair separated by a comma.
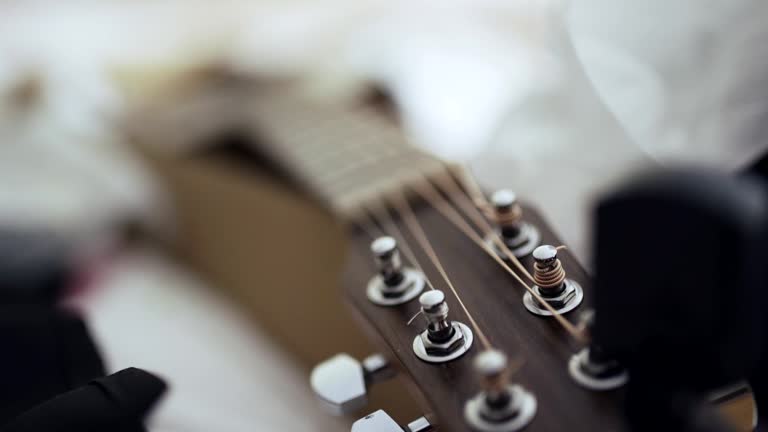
[[453, 189], [436, 200], [380, 214], [414, 226]]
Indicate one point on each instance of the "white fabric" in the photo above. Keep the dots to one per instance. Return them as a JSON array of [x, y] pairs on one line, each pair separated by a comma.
[[225, 375]]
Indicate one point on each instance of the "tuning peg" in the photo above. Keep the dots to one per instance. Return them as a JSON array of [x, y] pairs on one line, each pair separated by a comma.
[[380, 421], [520, 237], [552, 285], [342, 382], [394, 284], [500, 405]]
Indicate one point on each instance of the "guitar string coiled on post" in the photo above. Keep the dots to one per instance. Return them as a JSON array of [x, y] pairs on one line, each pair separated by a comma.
[[512, 216], [504, 210], [548, 275]]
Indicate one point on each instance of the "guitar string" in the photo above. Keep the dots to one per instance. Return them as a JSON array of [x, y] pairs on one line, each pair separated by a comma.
[[466, 203], [414, 226], [469, 207], [368, 227], [379, 214], [455, 191], [436, 200], [472, 187]]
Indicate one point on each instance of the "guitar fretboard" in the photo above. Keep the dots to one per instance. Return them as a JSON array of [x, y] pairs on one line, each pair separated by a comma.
[[347, 155]]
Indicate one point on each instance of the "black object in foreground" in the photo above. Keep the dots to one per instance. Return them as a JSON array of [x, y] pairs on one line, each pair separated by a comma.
[[680, 290], [116, 403]]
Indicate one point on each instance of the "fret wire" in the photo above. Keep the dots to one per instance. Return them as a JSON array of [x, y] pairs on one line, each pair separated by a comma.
[[367, 161], [338, 152], [381, 177], [337, 149], [384, 172]]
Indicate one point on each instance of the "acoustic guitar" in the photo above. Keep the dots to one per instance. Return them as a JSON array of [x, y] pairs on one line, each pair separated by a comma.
[[470, 296]]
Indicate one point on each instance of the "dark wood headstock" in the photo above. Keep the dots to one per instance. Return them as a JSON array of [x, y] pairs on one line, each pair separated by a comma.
[[669, 388], [496, 299]]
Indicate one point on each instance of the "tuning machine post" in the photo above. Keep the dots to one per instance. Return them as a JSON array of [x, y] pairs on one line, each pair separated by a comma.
[[552, 285], [592, 367], [500, 406], [520, 237], [443, 340], [342, 382], [395, 284]]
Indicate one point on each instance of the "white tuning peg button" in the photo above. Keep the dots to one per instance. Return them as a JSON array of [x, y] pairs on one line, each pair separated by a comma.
[[341, 382], [380, 421]]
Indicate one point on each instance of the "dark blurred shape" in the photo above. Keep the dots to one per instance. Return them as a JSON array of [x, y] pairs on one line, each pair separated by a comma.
[[759, 378], [680, 411], [681, 290], [45, 352], [118, 403], [759, 167], [379, 98], [26, 92], [34, 268]]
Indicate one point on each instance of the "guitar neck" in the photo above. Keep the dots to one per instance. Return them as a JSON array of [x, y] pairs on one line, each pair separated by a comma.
[[347, 154]]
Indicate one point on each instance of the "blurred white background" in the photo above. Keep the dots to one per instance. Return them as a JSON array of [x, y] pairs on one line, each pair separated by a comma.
[[554, 99]]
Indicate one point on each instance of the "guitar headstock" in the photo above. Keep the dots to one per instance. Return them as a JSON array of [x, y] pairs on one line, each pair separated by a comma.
[[493, 313], [484, 287], [487, 354]]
